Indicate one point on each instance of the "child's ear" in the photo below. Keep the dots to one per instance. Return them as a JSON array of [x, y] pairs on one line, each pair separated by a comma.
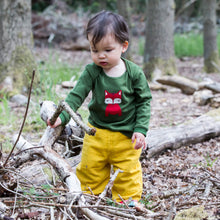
[[125, 46]]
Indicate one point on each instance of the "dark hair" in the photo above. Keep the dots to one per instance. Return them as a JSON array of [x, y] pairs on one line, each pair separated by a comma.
[[99, 25]]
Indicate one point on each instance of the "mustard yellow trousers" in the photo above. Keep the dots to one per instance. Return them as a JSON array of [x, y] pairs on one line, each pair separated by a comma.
[[101, 151]]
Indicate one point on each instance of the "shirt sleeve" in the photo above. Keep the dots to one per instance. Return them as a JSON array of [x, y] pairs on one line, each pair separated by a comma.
[[78, 94], [143, 98]]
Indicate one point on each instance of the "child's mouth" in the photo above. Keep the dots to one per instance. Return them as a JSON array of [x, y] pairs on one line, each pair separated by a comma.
[[103, 63]]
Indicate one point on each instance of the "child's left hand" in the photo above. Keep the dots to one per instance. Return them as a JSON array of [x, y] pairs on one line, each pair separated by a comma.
[[140, 140]]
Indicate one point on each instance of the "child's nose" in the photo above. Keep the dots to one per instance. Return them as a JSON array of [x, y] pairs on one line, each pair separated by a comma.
[[101, 55]]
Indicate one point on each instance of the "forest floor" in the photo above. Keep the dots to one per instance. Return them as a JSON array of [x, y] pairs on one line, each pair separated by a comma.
[[167, 175]]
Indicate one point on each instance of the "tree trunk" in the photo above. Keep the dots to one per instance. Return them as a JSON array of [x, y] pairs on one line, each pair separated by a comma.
[[210, 36], [124, 9], [195, 131], [159, 47], [16, 42], [65, 172]]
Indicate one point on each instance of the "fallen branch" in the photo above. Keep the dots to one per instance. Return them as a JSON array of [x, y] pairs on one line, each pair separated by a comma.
[[186, 85], [64, 106], [64, 171], [25, 115], [108, 186], [207, 189], [195, 131]]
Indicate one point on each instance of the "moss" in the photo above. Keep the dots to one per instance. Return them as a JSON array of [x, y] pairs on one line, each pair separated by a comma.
[[20, 34], [194, 213], [209, 67], [215, 113], [3, 71], [167, 67], [20, 68], [49, 174]]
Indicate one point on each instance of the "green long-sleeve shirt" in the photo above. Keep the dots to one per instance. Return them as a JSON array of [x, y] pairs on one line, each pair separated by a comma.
[[118, 103]]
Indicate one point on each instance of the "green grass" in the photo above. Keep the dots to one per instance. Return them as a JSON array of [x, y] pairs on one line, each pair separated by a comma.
[[51, 72], [6, 145], [7, 117], [190, 45], [185, 45]]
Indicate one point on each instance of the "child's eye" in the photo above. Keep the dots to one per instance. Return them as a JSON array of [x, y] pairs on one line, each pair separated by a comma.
[[109, 50], [94, 51]]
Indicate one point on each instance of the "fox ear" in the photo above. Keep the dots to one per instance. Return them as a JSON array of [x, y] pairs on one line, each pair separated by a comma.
[[119, 92], [106, 92]]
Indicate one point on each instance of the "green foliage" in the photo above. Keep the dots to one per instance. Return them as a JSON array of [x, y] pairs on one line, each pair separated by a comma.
[[193, 13], [190, 44], [7, 117], [44, 191], [40, 5], [185, 45], [138, 6], [6, 145], [111, 202], [141, 46], [146, 201], [52, 72], [92, 6], [208, 161]]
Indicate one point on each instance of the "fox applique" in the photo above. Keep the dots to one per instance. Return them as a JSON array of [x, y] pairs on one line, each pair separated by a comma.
[[112, 100]]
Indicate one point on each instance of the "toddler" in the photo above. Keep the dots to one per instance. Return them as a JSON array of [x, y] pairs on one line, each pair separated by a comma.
[[119, 110]]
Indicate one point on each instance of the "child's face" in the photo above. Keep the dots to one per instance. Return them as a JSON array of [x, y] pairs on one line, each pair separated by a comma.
[[107, 52]]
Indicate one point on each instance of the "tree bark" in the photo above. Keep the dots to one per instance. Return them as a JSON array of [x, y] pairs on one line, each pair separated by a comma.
[[64, 171], [186, 85], [195, 131], [211, 54], [124, 9], [16, 42], [159, 47]]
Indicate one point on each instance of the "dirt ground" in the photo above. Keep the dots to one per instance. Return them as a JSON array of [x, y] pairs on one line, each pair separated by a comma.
[[183, 167], [190, 166]]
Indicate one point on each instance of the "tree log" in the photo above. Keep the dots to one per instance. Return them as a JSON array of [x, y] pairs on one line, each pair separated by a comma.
[[63, 169], [194, 131], [50, 135], [203, 97], [186, 85], [72, 133], [215, 87], [60, 165]]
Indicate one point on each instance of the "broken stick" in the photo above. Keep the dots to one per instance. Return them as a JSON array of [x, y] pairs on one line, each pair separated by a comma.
[[64, 106], [108, 186]]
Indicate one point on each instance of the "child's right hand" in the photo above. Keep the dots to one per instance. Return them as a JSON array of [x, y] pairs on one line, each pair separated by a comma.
[[56, 124]]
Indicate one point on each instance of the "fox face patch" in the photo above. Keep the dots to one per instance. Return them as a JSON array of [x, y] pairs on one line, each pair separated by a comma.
[[113, 100]]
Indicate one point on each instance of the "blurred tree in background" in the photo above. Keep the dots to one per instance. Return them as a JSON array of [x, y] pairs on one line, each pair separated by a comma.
[[211, 55], [162, 17], [16, 44], [159, 48], [40, 5]]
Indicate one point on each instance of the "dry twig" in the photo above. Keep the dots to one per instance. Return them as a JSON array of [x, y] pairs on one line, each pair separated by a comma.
[[64, 106], [25, 115]]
